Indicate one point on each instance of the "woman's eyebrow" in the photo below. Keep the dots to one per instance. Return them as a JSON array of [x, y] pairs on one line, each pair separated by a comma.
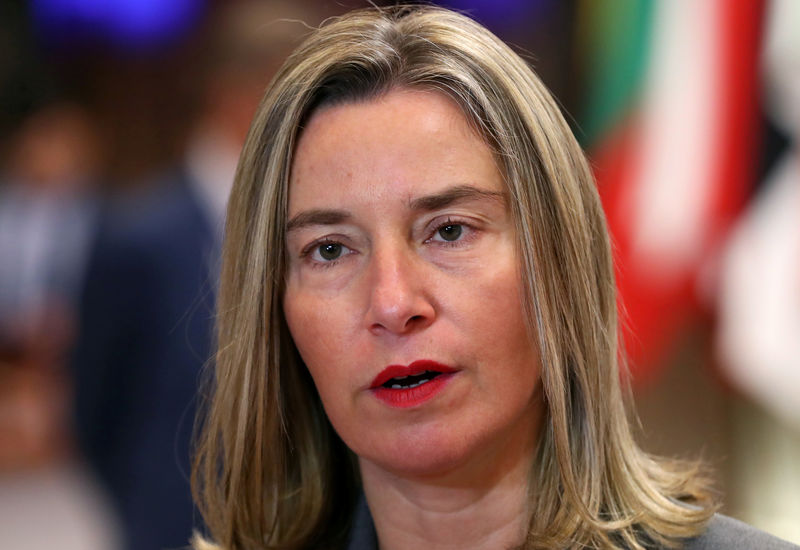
[[452, 195], [435, 201], [316, 217]]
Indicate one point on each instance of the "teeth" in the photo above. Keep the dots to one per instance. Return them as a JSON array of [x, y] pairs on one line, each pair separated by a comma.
[[414, 385], [402, 382]]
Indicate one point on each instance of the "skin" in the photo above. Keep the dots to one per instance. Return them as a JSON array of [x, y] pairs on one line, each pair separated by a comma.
[[402, 248]]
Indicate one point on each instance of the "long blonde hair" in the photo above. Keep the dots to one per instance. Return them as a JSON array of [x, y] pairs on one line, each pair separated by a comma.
[[270, 472]]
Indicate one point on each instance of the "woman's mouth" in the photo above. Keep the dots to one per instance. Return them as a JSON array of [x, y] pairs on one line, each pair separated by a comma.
[[407, 386]]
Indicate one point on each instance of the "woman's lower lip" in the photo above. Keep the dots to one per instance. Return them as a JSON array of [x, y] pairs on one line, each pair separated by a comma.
[[410, 397]]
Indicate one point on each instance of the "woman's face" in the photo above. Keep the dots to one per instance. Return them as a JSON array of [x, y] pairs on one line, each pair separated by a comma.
[[403, 289]]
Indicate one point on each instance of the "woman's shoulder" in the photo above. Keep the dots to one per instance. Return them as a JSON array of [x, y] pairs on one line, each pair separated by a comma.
[[724, 532]]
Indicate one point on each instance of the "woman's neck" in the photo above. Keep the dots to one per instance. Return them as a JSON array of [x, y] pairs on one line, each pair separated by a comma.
[[483, 504]]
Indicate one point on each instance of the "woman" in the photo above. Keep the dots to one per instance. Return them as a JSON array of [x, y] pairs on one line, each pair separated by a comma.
[[417, 321]]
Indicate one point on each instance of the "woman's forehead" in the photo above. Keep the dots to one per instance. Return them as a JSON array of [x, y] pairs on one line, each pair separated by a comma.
[[404, 145]]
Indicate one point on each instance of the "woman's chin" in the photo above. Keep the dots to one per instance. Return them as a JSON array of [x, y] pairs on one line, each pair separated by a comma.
[[418, 457], [454, 447], [420, 466]]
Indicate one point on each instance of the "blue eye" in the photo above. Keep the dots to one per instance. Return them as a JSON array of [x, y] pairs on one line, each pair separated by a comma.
[[450, 232]]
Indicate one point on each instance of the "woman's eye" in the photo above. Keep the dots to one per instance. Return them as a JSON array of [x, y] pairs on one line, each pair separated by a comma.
[[450, 232], [328, 252]]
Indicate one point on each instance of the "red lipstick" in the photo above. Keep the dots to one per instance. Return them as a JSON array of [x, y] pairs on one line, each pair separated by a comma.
[[407, 386]]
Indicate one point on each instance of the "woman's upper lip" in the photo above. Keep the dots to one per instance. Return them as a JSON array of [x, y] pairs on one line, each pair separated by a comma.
[[415, 368]]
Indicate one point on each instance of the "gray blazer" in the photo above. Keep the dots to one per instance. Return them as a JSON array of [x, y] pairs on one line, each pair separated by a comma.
[[723, 533]]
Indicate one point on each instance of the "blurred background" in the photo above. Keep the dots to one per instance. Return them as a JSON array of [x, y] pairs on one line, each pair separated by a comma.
[[120, 126]]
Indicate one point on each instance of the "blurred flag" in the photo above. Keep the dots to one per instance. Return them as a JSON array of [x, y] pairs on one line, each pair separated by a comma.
[[670, 127], [759, 298]]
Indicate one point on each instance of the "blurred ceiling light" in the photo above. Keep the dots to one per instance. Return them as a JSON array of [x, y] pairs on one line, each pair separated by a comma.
[[129, 24]]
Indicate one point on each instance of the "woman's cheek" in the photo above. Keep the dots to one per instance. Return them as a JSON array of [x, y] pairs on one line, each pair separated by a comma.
[[319, 327]]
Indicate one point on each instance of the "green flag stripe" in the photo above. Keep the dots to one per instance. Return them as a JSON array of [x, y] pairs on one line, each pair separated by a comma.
[[615, 43]]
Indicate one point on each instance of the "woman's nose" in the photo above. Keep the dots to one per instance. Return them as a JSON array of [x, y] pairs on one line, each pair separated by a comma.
[[399, 299]]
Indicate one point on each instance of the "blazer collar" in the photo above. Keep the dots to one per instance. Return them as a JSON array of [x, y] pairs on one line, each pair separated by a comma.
[[362, 534]]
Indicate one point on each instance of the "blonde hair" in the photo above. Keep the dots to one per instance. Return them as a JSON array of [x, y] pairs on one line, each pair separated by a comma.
[[270, 472]]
